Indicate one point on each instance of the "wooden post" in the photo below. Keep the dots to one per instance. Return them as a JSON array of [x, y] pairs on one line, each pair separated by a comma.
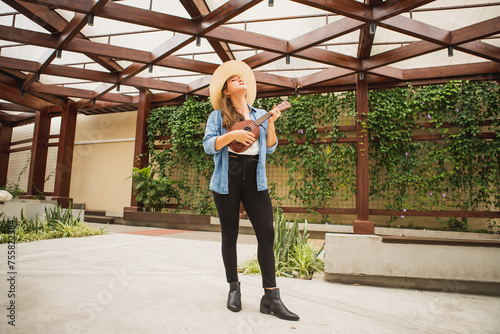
[[362, 225], [65, 154], [141, 156], [5, 139], [38, 163]]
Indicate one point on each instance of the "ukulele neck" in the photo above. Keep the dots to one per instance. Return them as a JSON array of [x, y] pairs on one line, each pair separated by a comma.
[[262, 119]]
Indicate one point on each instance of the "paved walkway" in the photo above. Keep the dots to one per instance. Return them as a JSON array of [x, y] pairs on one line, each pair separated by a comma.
[[148, 280]]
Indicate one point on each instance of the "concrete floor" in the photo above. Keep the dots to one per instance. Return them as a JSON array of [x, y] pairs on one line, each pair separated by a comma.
[[147, 280]]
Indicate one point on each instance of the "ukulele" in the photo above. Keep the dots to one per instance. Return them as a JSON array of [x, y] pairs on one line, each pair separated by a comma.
[[253, 126]]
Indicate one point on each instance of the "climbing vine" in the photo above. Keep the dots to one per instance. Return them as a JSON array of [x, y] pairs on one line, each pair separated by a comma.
[[457, 169], [317, 172], [181, 128]]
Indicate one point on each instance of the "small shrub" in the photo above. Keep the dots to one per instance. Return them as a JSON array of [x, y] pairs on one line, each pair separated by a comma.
[[57, 223], [294, 256]]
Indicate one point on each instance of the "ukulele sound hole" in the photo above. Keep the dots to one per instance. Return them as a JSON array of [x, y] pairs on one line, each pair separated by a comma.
[[248, 128]]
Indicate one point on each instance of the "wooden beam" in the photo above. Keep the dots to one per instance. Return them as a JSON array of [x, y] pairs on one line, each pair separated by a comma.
[[128, 14], [322, 76], [5, 139], [274, 80], [405, 52], [392, 8], [14, 119], [38, 162], [365, 37], [39, 14], [185, 64], [12, 94], [85, 74], [480, 49], [198, 9], [65, 151], [15, 107], [224, 13], [451, 71], [222, 49], [141, 156], [178, 41], [195, 8], [323, 34], [348, 8], [388, 71], [262, 58], [362, 225], [81, 93], [52, 99], [476, 31], [417, 29], [330, 58], [199, 84], [249, 39]]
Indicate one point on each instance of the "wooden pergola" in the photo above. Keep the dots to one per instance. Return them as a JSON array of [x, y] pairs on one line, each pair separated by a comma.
[[320, 59]]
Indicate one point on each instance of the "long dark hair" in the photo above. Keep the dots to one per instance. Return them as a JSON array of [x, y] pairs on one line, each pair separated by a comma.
[[229, 115]]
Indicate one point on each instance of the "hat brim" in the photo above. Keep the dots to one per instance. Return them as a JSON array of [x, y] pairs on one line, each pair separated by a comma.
[[224, 72]]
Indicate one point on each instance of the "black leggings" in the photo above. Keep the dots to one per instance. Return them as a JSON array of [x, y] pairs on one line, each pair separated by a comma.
[[243, 188]]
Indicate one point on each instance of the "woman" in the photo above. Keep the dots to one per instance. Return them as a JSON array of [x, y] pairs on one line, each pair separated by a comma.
[[242, 178]]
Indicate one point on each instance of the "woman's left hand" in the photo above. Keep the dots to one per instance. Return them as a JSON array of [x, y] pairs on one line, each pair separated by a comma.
[[276, 114]]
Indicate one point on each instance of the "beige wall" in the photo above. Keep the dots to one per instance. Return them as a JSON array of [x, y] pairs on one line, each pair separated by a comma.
[[103, 160]]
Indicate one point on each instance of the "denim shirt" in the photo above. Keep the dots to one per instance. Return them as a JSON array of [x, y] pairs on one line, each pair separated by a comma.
[[220, 178]]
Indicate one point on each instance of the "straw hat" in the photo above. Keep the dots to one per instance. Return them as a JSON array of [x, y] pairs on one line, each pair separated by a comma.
[[224, 72]]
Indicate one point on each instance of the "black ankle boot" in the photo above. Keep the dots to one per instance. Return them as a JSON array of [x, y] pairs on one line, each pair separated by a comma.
[[271, 303], [234, 297]]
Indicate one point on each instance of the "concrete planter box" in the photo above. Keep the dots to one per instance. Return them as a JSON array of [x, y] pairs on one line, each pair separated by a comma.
[[31, 208], [167, 220], [458, 265]]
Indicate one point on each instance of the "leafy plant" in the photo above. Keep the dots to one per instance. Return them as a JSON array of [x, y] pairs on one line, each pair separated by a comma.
[[14, 188], [294, 255], [153, 191], [181, 128], [56, 223]]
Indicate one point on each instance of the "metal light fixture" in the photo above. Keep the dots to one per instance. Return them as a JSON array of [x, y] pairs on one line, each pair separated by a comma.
[[450, 47], [117, 87], [287, 59], [150, 68], [58, 53], [372, 28], [91, 19], [271, 3], [198, 40], [361, 75], [37, 76], [93, 102], [450, 51], [22, 93]]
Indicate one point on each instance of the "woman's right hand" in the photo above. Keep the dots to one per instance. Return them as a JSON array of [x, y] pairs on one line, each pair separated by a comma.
[[242, 136]]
